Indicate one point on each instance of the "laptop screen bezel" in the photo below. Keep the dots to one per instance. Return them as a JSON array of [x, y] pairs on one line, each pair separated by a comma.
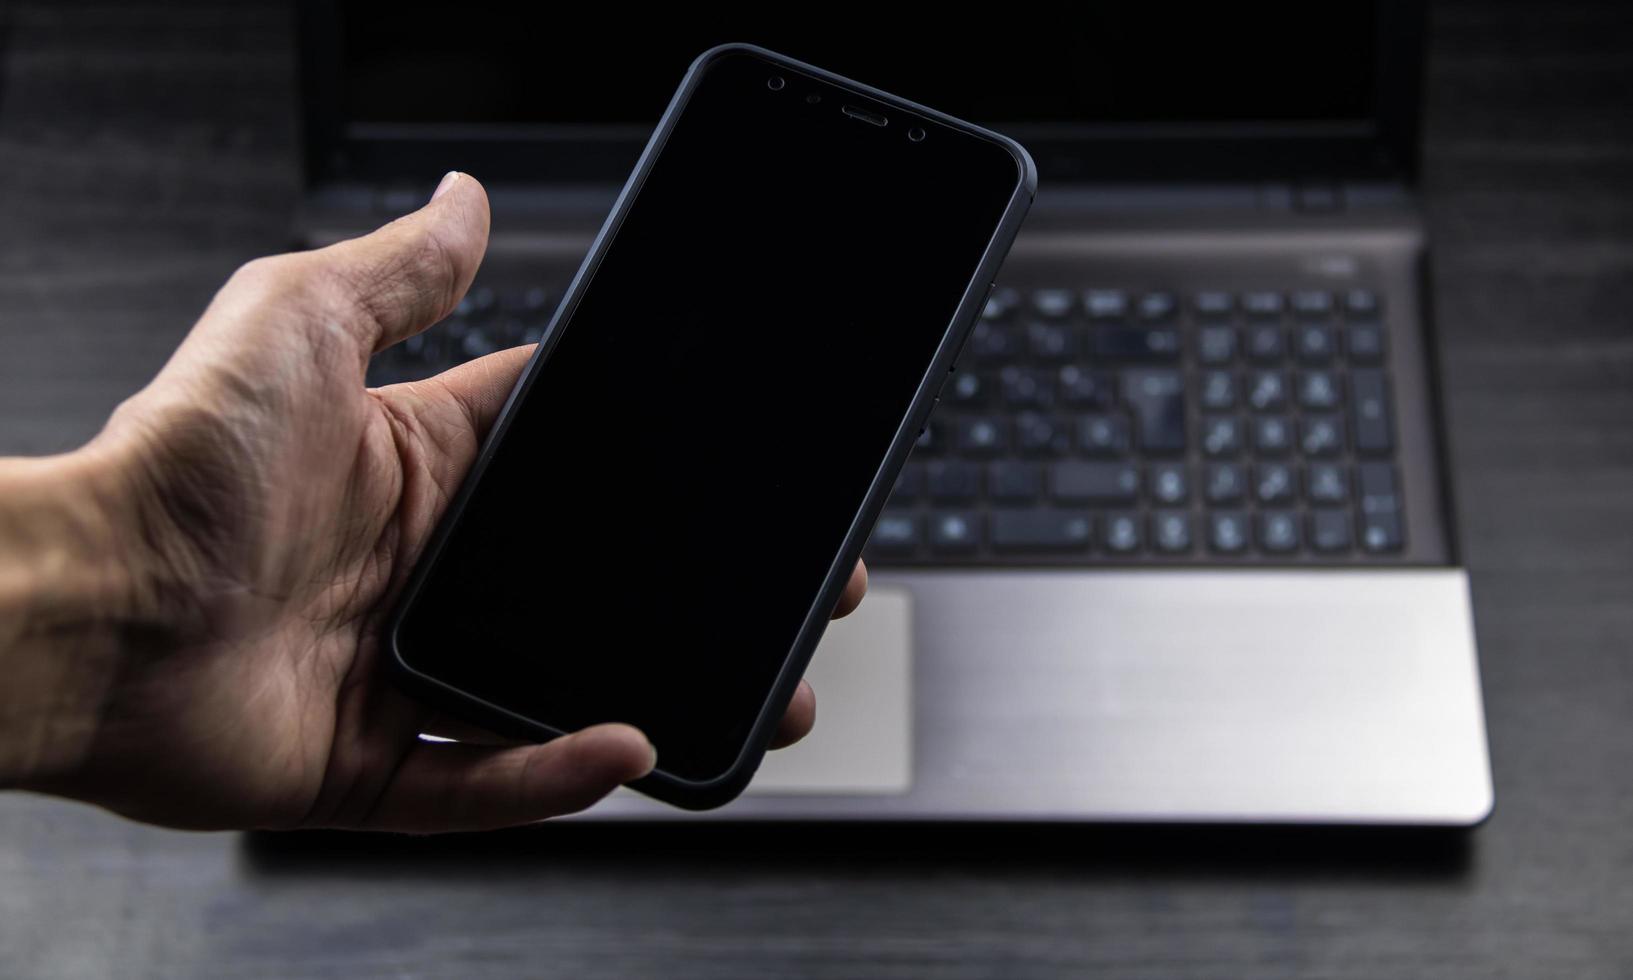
[[1384, 147]]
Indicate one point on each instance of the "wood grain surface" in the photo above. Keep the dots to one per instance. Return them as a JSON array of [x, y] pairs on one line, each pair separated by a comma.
[[147, 148]]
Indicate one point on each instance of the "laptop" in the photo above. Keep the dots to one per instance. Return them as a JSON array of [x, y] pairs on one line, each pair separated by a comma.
[[1178, 543]]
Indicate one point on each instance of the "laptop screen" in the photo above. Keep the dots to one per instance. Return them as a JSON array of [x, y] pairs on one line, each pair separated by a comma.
[[1055, 77]]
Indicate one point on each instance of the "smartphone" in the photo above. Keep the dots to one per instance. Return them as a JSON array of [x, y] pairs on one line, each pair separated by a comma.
[[663, 517]]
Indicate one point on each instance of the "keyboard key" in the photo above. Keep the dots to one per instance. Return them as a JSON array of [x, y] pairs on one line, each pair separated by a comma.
[[387, 369], [1214, 303], [1365, 342], [1157, 306], [1326, 483], [478, 343], [1000, 304], [1216, 344], [1273, 483], [1313, 343], [1040, 530], [1085, 388], [1369, 405], [509, 332], [1261, 303], [1122, 532], [1106, 304], [1318, 389], [1381, 532], [1051, 341], [479, 301], [1221, 435], [992, 341], [455, 328], [1267, 391], [1227, 531], [1014, 482], [1095, 483], [1103, 435], [1171, 531], [1157, 398], [1027, 387], [1330, 529], [909, 485], [954, 531], [930, 439], [532, 300], [1376, 487], [1041, 435], [1321, 435], [427, 346], [966, 388], [953, 480], [1361, 302], [1278, 531], [1218, 390], [1312, 302], [1053, 302], [1168, 483], [895, 533], [1380, 507], [1137, 343], [1265, 343], [1226, 483], [1272, 435], [982, 435]]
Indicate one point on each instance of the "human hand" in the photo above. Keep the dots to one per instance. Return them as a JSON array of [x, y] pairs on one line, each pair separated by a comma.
[[203, 649]]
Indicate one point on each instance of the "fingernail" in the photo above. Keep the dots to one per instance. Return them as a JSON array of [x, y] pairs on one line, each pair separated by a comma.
[[447, 181], [652, 756]]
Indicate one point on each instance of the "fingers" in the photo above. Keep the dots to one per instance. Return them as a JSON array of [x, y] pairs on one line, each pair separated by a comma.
[[443, 787], [407, 275], [800, 717], [480, 387], [798, 720], [855, 589]]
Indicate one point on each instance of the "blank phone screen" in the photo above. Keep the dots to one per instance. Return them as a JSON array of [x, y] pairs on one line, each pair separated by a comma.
[[672, 488]]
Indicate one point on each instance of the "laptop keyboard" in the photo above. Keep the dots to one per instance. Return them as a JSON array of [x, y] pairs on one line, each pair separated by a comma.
[[1106, 426]]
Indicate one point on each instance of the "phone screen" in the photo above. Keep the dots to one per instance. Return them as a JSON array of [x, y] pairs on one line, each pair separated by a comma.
[[663, 508]]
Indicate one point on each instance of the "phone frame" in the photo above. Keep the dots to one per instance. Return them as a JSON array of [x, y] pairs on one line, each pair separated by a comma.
[[707, 794]]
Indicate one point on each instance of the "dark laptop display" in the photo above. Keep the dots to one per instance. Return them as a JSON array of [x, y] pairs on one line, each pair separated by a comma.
[[535, 78]]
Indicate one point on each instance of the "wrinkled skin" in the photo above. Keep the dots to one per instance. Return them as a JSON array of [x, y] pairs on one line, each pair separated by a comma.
[[277, 505]]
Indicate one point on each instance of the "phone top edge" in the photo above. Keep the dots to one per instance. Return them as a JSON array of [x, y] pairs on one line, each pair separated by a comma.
[[1026, 166]]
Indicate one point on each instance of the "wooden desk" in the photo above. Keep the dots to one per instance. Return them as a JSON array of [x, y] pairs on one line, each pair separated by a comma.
[[146, 149]]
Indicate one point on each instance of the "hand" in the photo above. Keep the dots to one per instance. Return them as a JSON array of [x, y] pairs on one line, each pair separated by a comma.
[[264, 507]]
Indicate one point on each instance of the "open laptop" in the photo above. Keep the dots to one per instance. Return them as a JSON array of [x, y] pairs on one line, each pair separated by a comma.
[[1177, 544]]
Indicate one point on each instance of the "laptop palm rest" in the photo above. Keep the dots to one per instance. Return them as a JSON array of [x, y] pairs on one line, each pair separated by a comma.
[[1331, 697], [863, 676]]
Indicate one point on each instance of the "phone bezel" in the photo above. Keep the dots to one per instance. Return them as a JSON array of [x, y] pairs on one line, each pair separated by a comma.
[[678, 790]]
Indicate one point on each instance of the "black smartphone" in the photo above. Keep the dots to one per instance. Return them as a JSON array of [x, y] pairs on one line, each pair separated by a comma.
[[667, 510]]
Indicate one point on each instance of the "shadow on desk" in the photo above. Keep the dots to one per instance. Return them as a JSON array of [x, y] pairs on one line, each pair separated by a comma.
[[1376, 854]]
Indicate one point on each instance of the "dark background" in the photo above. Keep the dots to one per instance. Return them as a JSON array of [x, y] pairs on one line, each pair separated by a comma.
[[146, 149]]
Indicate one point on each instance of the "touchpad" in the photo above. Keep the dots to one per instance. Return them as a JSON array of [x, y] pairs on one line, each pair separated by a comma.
[[863, 675]]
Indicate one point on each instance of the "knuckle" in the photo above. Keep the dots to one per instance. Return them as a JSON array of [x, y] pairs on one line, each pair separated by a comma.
[[262, 279], [415, 281]]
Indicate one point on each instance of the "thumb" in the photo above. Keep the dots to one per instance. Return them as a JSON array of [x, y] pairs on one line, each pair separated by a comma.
[[409, 274]]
